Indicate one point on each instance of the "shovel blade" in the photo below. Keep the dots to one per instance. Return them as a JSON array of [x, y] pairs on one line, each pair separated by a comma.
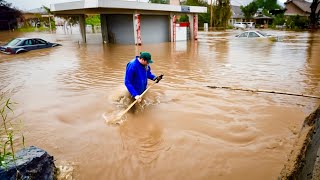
[[113, 118]]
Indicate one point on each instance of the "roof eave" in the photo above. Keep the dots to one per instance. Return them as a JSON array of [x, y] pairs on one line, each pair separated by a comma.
[[133, 5]]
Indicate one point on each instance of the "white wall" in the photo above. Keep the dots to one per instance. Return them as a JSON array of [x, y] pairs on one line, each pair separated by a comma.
[[181, 33]]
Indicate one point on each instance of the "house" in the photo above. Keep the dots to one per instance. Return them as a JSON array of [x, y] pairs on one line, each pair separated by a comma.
[[33, 17], [236, 15], [298, 7], [261, 19], [258, 18]]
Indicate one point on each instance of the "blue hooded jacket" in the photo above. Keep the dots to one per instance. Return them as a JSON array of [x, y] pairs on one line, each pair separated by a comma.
[[136, 78]]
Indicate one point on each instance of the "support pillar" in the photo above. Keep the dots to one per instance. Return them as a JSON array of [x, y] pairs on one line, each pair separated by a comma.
[[137, 29], [193, 20], [173, 21], [195, 27], [190, 17], [82, 23], [104, 28]]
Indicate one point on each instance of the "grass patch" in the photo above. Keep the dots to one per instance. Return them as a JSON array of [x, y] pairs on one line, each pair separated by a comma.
[[33, 29]]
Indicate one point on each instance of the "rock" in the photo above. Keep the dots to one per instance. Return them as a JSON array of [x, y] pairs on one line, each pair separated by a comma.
[[303, 161], [31, 163]]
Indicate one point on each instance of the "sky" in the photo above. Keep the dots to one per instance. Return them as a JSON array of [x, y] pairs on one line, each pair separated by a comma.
[[32, 4]]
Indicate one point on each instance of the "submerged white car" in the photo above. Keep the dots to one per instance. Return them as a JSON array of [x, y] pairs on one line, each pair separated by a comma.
[[253, 34]]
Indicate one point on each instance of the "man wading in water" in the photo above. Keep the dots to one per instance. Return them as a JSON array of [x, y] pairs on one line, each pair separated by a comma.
[[138, 72]]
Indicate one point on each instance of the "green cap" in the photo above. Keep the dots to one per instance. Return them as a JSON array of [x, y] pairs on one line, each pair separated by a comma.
[[146, 56]]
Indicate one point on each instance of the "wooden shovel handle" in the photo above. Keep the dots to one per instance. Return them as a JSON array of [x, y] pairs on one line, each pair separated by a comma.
[[132, 104]]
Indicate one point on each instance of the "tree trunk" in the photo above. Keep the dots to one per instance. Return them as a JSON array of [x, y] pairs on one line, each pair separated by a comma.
[[211, 14], [314, 15], [92, 26]]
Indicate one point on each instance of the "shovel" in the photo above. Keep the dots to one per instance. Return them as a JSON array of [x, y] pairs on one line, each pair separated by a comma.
[[116, 118]]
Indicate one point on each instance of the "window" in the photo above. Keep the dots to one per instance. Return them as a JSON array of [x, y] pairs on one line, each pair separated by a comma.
[[253, 35], [28, 42], [244, 34], [263, 34], [40, 41], [13, 42]]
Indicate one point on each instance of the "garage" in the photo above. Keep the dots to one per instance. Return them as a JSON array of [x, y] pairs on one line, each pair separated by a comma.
[[120, 28], [155, 28]]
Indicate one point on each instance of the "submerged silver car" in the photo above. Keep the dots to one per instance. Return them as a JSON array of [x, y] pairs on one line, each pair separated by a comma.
[[258, 35], [253, 34], [20, 45]]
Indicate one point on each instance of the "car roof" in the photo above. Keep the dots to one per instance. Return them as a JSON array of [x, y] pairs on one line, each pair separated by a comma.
[[250, 31], [23, 38]]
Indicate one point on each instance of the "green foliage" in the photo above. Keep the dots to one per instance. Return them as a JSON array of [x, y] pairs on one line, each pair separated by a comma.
[[195, 3], [266, 12], [278, 20], [93, 20], [33, 29], [297, 22], [47, 9], [8, 131], [183, 18], [159, 1], [202, 17], [221, 14], [265, 5], [268, 4], [249, 10]]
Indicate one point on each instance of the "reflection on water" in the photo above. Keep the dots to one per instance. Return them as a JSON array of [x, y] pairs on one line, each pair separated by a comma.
[[184, 130]]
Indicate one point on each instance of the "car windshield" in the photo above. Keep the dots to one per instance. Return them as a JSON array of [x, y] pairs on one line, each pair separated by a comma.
[[262, 33], [13, 42]]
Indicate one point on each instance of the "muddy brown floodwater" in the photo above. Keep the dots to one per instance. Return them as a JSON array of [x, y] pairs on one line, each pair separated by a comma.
[[186, 130]]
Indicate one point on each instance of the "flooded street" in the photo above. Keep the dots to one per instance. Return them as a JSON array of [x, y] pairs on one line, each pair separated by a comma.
[[186, 130]]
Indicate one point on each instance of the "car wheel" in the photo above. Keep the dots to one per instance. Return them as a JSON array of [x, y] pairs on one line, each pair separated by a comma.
[[19, 52], [54, 45]]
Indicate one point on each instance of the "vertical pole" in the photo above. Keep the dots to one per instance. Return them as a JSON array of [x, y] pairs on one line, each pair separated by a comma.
[[50, 24], [211, 15], [83, 27]]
